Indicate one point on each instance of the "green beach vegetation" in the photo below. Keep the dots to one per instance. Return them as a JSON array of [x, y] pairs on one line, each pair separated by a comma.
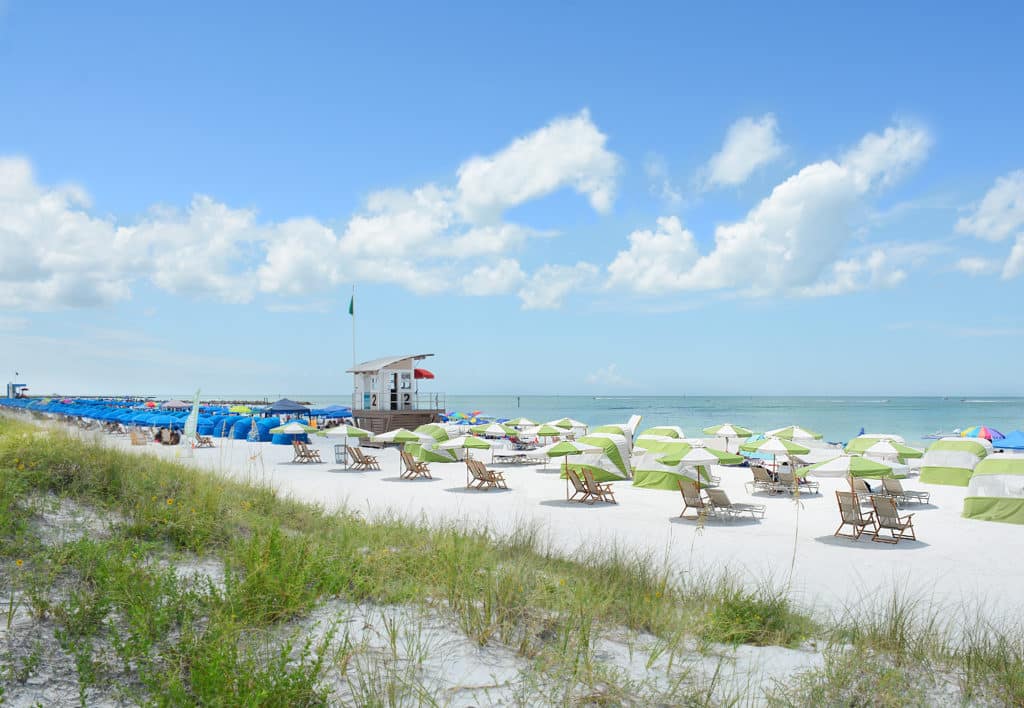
[[181, 587]]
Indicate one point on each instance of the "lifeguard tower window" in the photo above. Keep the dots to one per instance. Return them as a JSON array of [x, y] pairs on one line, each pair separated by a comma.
[[394, 391]]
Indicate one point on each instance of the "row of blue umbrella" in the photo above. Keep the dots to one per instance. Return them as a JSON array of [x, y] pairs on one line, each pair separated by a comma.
[[213, 421]]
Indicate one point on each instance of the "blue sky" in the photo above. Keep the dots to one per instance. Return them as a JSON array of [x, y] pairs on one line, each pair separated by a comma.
[[579, 199]]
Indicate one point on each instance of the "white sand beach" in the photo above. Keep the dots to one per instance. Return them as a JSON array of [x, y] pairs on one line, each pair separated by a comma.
[[964, 566]]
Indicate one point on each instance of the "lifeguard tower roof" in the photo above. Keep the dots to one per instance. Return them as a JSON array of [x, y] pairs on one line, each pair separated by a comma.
[[385, 362]]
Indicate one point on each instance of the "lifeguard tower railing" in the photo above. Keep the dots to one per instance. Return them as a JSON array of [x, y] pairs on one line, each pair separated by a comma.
[[432, 401]]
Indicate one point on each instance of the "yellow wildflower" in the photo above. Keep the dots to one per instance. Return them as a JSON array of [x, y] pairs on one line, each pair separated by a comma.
[[19, 562], [169, 501]]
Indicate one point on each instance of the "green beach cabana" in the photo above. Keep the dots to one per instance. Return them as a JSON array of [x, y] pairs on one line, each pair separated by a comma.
[[649, 472], [668, 431], [996, 490], [610, 462], [952, 461]]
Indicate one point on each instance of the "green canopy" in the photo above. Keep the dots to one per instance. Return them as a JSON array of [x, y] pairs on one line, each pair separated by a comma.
[[465, 441], [668, 431], [569, 447], [996, 490], [567, 423], [520, 423]]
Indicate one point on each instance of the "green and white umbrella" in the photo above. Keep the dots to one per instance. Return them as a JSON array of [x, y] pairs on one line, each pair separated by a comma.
[[654, 443], [293, 428], [494, 429], [699, 455], [567, 424], [568, 447], [851, 466], [346, 431], [547, 431], [882, 448], [435, 431], [793, 432], [401, 435], [775, 446], [520, 423], [728, 430], [468, 442]]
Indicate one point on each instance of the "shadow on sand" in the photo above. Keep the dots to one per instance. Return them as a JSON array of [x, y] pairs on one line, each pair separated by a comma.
[[713, 521], [565, 504], [865, 542], [464, 490], [414, 479]]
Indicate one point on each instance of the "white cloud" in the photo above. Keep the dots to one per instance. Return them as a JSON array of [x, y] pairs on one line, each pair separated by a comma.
[[607, 376], [1014, 265], [797, 234], [872, 273], [661, 185], [549, 284], [975, 266], [498, 279], [568, 152], [655, 259], [54, 253], [750, 143], [1001, 211]]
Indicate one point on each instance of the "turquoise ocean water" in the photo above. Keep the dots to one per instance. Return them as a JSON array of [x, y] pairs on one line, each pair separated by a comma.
[[838, 418]]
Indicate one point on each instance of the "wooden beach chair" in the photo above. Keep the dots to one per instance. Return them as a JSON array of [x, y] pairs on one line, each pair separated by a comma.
[[579, 493], [864, 494], [138, 438], [310, 453], [203, 441], [889, 519], [793, 483], [598, 490], [483, 478], [763, 482], [721, 503], [302, 453], [361, 461], [895, 489], [853, 516], [414, 468], [692, 499]]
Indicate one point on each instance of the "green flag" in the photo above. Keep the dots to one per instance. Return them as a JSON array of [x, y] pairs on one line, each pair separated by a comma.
[[352, 306]]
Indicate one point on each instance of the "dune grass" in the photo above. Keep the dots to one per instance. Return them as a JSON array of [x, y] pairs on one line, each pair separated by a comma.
[[127, 619]]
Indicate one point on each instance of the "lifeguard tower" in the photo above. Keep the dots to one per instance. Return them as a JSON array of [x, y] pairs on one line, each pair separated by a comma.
[[386, 394], [17, 390]]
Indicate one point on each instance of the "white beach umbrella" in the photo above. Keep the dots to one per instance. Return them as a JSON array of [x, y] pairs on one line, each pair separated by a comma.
[[521, 423], [465, 442], [346, 431], [793, 432]]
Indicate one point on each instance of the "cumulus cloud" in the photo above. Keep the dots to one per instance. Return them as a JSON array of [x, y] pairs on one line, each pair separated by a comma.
[[876, 271], [656, 260], [750, 143], [793, 237], [1014, 265], [975, 266], [55, 253], [1000, 212], [497, 279], [568, 152], [549, 284]]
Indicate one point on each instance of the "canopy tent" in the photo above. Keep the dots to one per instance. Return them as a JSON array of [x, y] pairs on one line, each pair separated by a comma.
[[175, 404], [520, 423], [286, 406], [952, 461], [569, 424], [650, 472], [996, 490], [611, 460], [437, 432], [1013, 441]]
